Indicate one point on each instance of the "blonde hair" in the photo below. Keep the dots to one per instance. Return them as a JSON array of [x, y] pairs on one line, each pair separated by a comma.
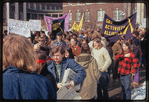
[[18, 52], [98, 41]]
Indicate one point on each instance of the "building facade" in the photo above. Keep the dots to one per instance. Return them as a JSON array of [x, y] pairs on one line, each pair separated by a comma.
[[94, 12], [25, 11]]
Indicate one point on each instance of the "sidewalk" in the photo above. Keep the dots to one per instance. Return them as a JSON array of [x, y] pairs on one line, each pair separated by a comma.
[[114, 88]]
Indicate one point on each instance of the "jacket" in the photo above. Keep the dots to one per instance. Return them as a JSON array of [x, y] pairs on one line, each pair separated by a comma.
[[126, 63], [69, 63], [54, 44], [24, 85], [117, 49], [89, 86]]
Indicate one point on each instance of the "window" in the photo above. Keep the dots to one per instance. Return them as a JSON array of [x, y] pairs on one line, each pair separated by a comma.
[[45, 7], [55, 8], [35, 6], [50, 7], [100, 15], [69, 4], [29, 6], [78, 3], [78, 16], [40, 6], [70, 16], [117, 15], [87, 16]]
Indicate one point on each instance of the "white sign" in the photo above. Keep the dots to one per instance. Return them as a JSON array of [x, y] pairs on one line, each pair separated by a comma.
[[34, 25], [19, 27]]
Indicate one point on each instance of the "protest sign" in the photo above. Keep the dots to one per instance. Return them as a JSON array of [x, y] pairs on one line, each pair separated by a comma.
[[19, 27], [34, 25], [113, 30]]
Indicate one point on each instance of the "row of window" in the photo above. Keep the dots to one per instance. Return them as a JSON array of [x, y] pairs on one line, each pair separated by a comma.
[[117, 15], [46, 7]]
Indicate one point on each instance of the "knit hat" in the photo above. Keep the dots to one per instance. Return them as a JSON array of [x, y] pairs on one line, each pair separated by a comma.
[[136, 42]]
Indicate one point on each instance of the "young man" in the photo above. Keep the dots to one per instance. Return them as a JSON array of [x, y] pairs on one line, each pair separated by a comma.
[[60, 64], [58, 41], [103, 59]]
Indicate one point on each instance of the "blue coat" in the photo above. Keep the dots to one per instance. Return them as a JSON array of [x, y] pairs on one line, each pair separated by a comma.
[[22, 85], [69, 63]]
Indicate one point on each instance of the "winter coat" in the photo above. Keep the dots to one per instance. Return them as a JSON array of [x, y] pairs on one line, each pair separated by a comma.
[[69, 63], [24, 85], [89, 86]]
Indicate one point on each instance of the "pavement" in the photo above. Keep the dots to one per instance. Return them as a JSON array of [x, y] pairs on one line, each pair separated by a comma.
[[114, 88]]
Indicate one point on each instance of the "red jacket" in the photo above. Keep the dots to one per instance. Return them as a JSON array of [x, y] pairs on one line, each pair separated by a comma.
[[125, 64]]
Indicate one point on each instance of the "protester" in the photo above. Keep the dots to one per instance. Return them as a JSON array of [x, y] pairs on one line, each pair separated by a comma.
[[58, 41], [136, 51], [89, 87], [37, 47], [35, 40], [60, 64], [103, 60], [117, 49], [126, 59], [86, 36], [69, 53], [19, 66], [75, 47], [143, 49], [41, 59]]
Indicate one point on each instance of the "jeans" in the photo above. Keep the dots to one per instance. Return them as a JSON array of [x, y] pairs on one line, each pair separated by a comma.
[[103, 85], [125, 84]]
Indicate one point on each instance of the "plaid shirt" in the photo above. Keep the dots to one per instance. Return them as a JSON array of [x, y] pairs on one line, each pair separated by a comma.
[[125, 64]]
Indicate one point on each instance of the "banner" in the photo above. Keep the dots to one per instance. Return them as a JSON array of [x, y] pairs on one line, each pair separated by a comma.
[[113, 30], [57, 26], [75, 26], [19, 27], [34, 25], [49, 21], [81, 23]]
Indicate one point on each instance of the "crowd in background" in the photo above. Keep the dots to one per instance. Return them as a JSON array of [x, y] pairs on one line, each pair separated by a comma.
[[39, 62]]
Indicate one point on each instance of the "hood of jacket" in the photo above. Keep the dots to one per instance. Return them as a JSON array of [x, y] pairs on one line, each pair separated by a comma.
[[84, 59]]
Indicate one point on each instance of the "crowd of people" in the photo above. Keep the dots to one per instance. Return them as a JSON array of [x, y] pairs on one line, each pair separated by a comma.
[[33, 67]]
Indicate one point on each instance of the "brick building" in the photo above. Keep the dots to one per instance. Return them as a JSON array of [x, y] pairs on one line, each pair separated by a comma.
[[94, 12]]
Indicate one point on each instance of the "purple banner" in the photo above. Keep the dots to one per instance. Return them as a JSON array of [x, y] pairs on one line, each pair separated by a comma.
[[50, 19], [113, 30]]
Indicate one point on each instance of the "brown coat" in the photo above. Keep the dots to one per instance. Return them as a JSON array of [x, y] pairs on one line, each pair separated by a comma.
[[89, 86], [116, 49]]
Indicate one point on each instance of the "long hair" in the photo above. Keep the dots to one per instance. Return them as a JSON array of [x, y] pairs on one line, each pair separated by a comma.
[[98, 41], [18, 52], [71, 55], [85, 48]]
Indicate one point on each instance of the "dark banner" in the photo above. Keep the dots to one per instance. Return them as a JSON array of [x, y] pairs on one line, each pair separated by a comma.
[[57, 26], [113, 30]]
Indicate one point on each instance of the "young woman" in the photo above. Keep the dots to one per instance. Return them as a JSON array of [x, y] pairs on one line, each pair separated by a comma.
[[19, 66], [75, 47], [89, 86], [69, 53], [126, 61]]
